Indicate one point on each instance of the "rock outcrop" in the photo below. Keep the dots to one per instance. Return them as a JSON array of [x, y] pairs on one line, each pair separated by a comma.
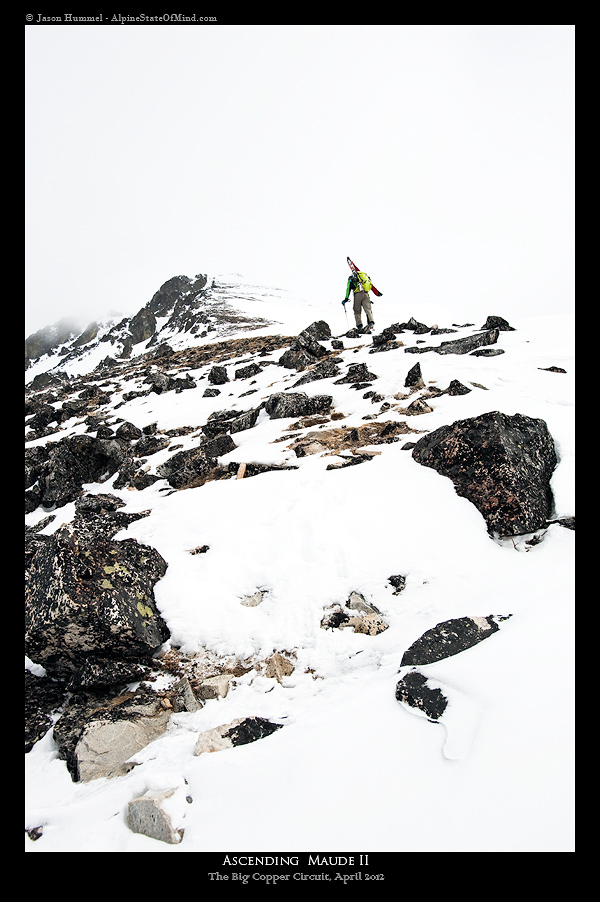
[[87, 595], [502, 464]]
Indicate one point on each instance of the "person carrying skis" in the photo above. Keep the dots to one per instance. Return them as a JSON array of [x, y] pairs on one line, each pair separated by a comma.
[[360, 284]]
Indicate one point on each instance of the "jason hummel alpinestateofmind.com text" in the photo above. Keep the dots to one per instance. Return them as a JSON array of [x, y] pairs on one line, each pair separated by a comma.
[[118, 19]]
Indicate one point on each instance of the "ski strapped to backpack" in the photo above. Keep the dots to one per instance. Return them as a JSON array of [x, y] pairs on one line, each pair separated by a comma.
[[363, 279]]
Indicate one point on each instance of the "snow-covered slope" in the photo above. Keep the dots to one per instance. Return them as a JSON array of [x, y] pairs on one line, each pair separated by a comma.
[[352, 769]]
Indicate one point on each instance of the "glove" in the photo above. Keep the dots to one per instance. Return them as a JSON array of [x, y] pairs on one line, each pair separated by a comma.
[[345, 301]]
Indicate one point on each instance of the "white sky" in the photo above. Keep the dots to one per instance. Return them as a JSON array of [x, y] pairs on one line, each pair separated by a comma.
[[439, 157]]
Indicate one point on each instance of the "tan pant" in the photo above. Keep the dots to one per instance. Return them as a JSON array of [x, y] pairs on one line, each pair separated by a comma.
[[362, 301]]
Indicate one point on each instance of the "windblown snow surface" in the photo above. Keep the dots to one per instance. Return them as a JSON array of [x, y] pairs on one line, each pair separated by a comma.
[[352, 768]]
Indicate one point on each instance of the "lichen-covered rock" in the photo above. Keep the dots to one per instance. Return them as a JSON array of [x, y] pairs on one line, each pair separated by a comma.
[[89, 596], [502, 464], [284, 404]]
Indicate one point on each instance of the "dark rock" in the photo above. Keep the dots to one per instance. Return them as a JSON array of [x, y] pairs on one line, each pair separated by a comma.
[[487, 352], [89, 596], [457, 388], [502, 464], [175, 292], [305, 348], [43, 696], [99, 674], [357, 372], [414, 377], [187, 469], [150, 444], [414, 691], [250, 730], [69, 464], [460, 345], [282, 404], [218, 446], [142, 326], [245, 372], [211, 393], [230, 421], [449, 638], [497, 322], [218, 375], [128, 432], [398, 582], [552, 369], [328, 369]]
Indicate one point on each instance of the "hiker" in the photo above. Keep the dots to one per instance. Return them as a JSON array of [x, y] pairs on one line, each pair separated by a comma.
[[362, 300]]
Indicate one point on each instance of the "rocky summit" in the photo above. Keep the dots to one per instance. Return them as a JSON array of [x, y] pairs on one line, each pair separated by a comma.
[[248, 530]]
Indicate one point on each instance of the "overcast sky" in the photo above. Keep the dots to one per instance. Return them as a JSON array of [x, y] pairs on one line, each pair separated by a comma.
[[439, 157]]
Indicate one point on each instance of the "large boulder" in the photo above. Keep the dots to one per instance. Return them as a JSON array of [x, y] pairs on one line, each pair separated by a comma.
[[88, 596], [502, 464], [54, 474], [284, 404], [305, 348]]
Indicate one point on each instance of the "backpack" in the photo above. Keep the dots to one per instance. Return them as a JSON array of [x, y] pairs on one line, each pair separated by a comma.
[[365, 281]]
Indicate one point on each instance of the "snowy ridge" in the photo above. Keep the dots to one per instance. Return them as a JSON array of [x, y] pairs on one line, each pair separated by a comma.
[[351, 767]]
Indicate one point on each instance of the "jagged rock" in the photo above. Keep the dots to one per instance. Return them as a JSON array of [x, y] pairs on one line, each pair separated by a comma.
[[87, 595], [175, 291], [497, 322], [414, 377], [358, 602], [105, 747], [460, 345], [502, 464], [160, 382], [245, 372], [187, 469], [142, 326], [128, 432], [398, 581], [357, 373], [328, 369], [487, 352], [230, 421], [61, 468], [218, 446], [150, 444], [449, 638], [239, 732], [146, 815], [185, 698], [278, 667], [215, 686], [218, 375], [99, 674], [99, 731], [282, 404], [413, 690], [456, 388], [305, 348], [43, 696]]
